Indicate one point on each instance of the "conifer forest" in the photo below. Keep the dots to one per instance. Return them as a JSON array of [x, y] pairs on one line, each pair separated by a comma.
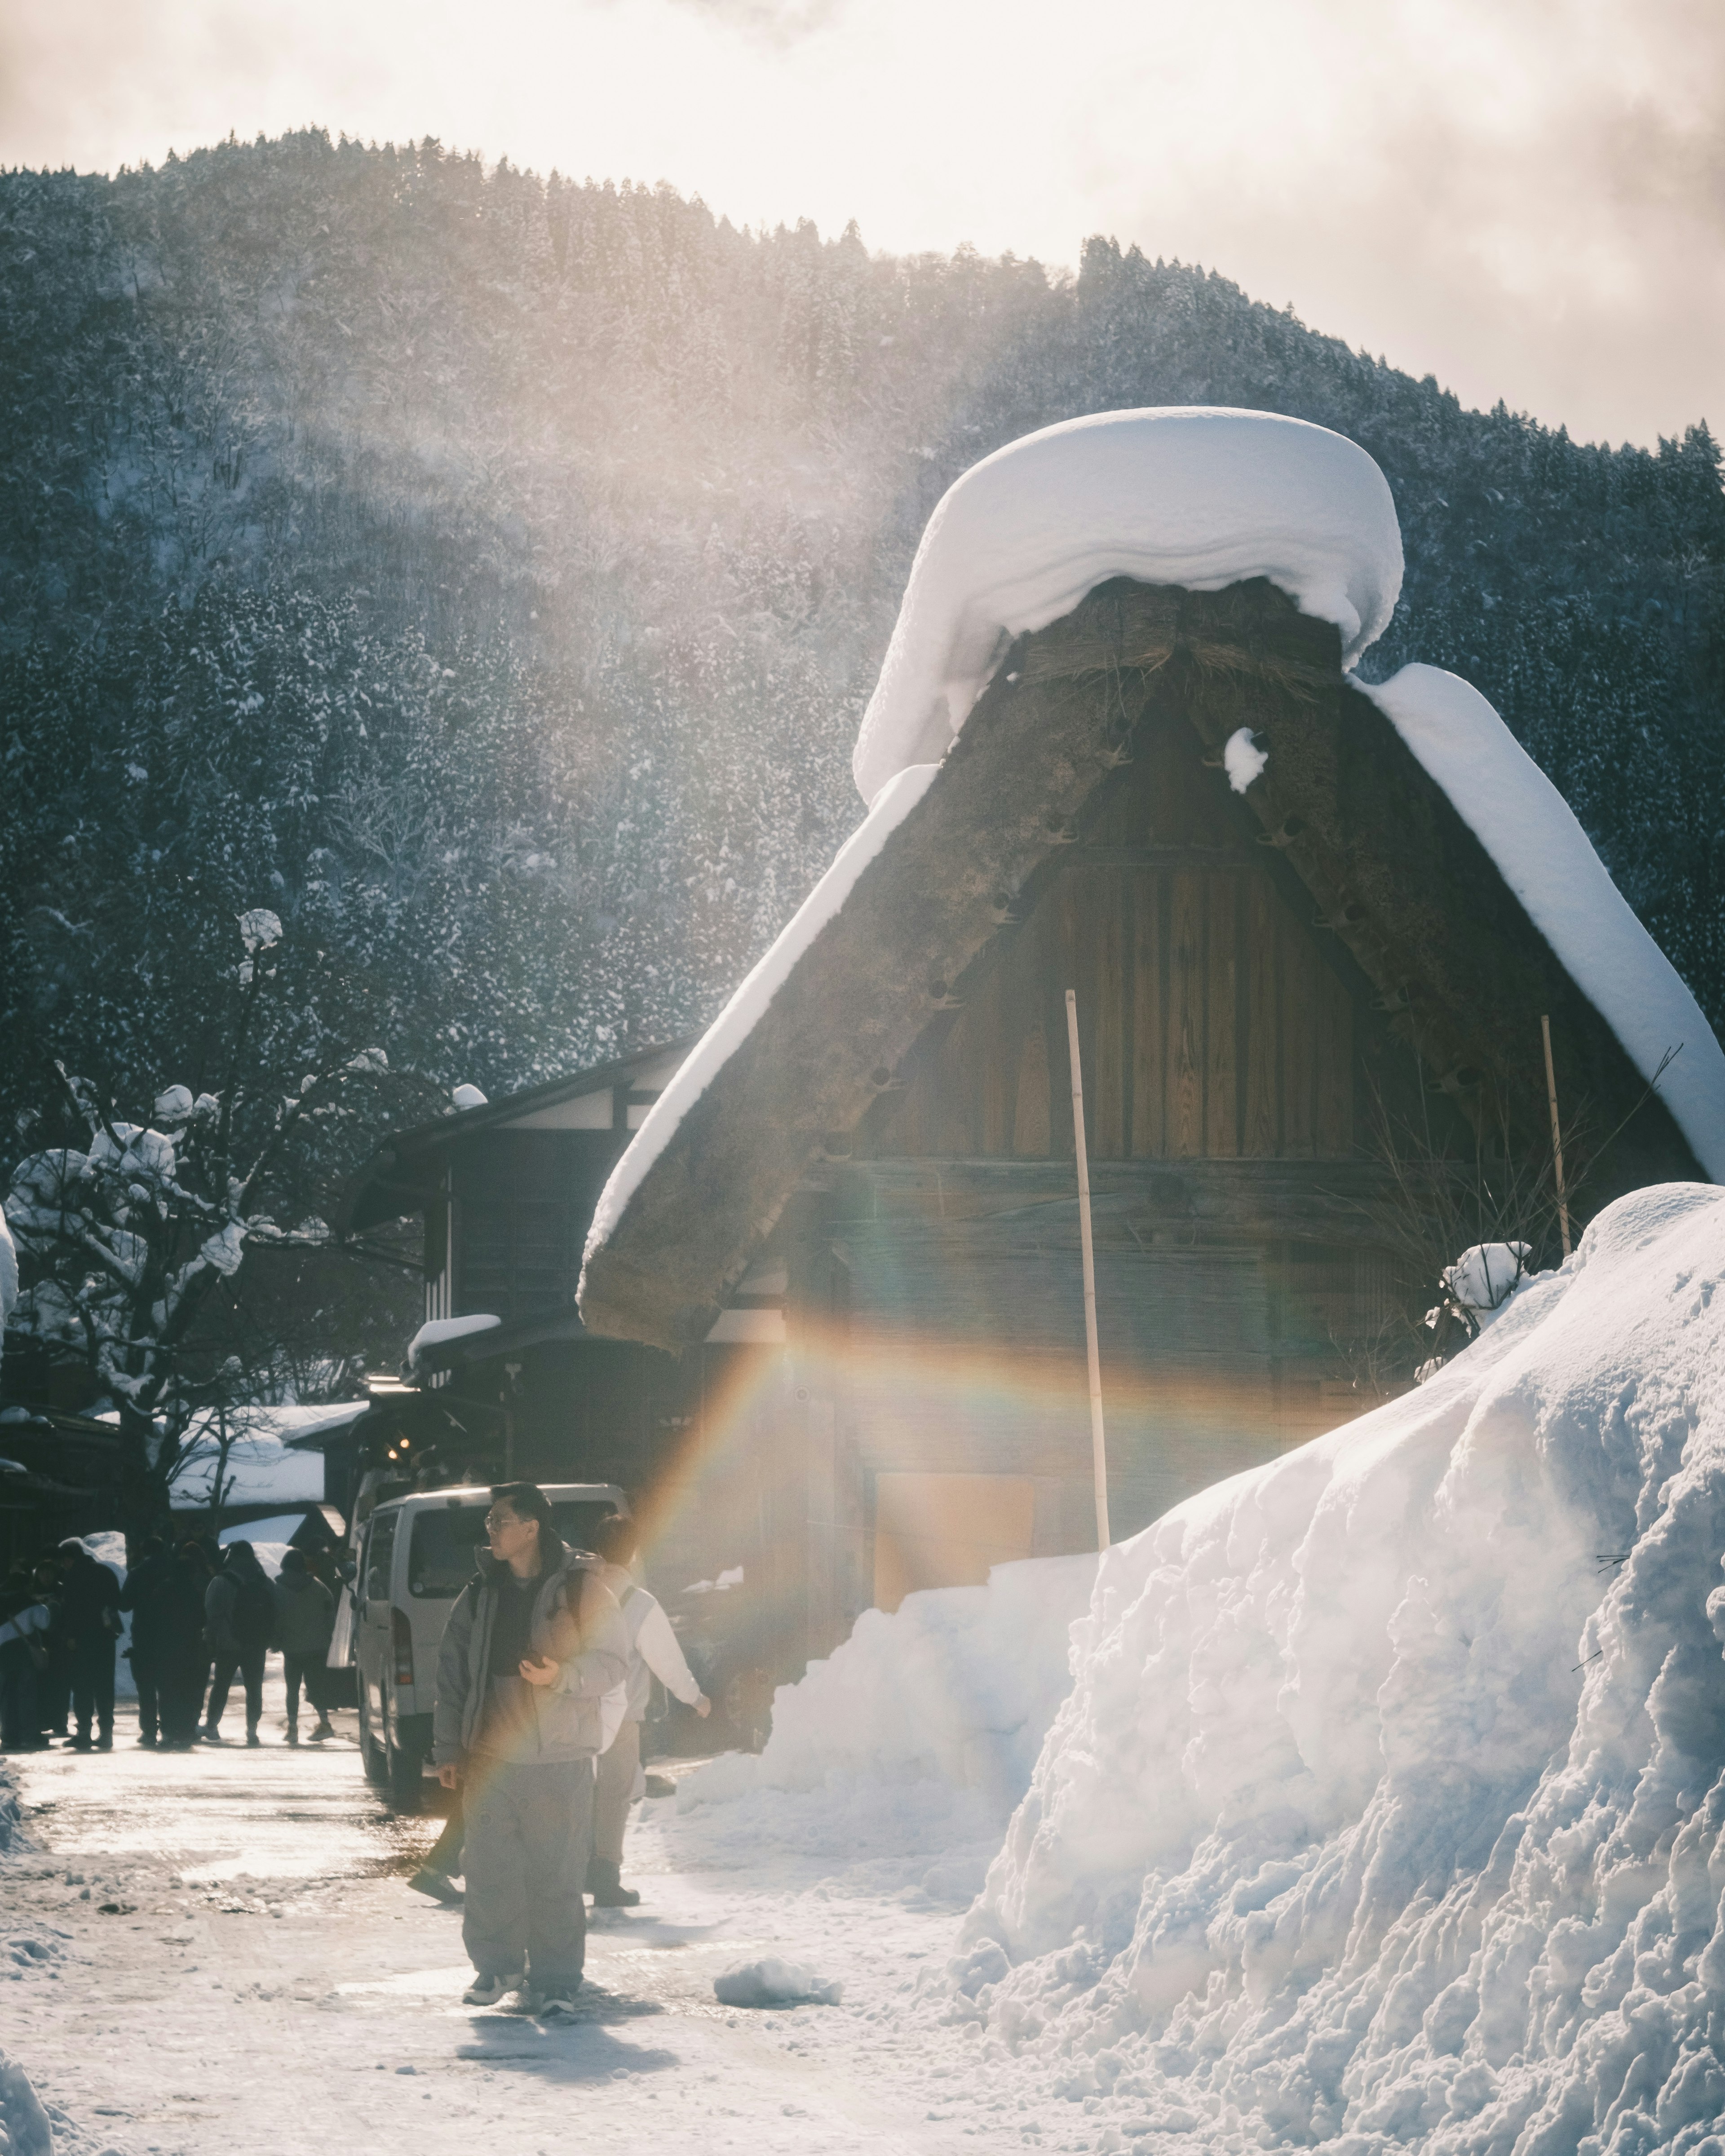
[[486, 574]]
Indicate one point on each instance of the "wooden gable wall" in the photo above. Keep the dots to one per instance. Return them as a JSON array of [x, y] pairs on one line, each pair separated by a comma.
[[1215, 1018]]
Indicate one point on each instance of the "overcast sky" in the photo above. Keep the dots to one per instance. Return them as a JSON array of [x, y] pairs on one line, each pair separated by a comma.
[[1525, 198]]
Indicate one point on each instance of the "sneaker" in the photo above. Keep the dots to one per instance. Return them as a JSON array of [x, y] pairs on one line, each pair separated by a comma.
[[252, 1737], [439, 1885], [553, 2005], [490, 1990], [105, 1742], [209, 1734], [82, 1744], [323, 1730], [293, 1734], [151, 1742]]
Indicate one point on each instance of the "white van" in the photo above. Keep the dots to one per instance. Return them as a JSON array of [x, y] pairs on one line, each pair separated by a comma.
[[416, 1554]]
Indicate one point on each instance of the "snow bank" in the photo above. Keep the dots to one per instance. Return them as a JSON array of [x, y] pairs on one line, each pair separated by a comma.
[[1385, 1810], [740, 1016], [13, 1836], [1548, 861], [958, 1684], [1172, 495]]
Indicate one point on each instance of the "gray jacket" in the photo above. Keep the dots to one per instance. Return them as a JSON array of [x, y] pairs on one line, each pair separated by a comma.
[[555, 1723]]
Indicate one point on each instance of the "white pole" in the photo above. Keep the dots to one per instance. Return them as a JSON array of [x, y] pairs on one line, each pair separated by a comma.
[[1098, 1440], [1557, 1134]]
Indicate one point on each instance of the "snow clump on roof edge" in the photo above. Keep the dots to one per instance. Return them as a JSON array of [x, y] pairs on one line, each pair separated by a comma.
[[1548, 861], [1173, 494], [1380, 1808]]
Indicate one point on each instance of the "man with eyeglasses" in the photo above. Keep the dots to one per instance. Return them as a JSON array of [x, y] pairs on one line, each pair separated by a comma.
[[529, 1687]]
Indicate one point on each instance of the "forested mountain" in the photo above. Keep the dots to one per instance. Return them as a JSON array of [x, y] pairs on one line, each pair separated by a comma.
[[487, 573]]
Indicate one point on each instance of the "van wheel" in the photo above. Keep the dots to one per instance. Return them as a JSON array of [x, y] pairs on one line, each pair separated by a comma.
[[402, 1769], [371, 1755]]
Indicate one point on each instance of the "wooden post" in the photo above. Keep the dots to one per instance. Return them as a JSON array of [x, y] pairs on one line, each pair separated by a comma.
[[1098, 1440], [1557, 1135]]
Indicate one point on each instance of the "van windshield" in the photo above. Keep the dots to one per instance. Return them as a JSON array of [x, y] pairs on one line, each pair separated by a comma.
[[440, 1557]]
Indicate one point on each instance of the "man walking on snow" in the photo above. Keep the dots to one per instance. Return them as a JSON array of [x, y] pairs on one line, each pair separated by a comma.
[[89, 1620], [653, 1652], [533, 1645]]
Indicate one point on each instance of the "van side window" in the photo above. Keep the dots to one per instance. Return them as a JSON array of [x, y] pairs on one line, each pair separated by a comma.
[[379, 1552]]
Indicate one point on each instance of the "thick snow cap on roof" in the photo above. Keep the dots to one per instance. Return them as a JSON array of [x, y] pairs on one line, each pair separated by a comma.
[[1548, 861], [1174, 495]]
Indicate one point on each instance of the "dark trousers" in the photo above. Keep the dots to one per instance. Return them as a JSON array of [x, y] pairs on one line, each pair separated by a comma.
[[93, 1684], [306, 1670], [17, 1698], [248, 1664], [180, 1691], [147, 1660], [54, 1691], [529, 1830]]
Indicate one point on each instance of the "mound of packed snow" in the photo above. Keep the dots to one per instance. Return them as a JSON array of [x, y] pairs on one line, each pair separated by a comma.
[[1172, 495], [12, 1831], [27, 2131], [1548, 861], [1386, 1806], [958, 1685], [774, 1982]]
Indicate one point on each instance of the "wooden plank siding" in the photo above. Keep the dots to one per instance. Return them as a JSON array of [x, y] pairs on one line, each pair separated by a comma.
[[1213, 1022], [1211, 1027]]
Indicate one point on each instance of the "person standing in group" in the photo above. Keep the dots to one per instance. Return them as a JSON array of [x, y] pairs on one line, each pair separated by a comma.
[[182, 1658], [305, 1618], [25, 1617], [145, 1584], [653, 1652], [532, 1648], [240, 1616], [89, 1617]]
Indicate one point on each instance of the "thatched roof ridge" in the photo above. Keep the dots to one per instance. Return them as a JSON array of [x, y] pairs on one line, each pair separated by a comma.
[[1392, 869]]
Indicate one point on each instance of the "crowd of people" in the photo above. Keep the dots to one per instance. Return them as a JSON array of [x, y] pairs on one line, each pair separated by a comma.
[[544, 1678], [202, 1616]]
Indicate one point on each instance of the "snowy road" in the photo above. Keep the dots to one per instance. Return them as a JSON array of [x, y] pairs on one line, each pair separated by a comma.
[[226, 1955]]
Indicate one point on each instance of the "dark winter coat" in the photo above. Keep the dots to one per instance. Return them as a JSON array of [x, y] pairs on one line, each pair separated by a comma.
[[239, 1608], [305, 1614], [90, 1604], [147, 1593], [531, 1724]]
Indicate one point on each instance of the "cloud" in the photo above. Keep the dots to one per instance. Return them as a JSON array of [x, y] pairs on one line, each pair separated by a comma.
[[1525, 198], [778, 22]]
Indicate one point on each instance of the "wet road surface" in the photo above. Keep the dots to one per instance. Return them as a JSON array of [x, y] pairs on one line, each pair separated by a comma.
[[275, 1813], [217, 1950]]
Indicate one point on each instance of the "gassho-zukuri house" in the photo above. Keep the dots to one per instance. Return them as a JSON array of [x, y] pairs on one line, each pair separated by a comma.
[[1117, 746]]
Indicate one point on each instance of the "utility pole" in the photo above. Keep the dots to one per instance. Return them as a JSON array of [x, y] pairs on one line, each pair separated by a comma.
[[1098, 1438]]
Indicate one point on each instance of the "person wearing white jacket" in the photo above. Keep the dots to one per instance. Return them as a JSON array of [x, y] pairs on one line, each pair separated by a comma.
[[653, 1652]]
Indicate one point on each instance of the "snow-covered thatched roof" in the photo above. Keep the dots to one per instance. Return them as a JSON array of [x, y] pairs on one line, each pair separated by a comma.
[[1444, 860]]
